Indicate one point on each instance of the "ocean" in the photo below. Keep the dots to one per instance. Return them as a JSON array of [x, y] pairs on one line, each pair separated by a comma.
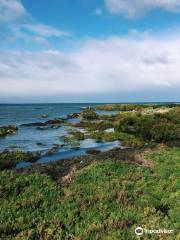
[[33, 139]]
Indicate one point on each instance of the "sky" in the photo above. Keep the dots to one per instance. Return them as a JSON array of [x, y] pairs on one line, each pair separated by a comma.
[[89, 51]]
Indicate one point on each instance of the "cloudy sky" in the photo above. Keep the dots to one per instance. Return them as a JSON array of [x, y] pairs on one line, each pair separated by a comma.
[[89, 50]]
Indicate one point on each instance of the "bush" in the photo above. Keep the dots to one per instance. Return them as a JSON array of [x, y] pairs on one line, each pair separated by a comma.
[[89, 114], [165, 132], [152, 127]]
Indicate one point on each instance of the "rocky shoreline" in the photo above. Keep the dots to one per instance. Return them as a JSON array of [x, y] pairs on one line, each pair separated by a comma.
[[137, 127], [58, 169]]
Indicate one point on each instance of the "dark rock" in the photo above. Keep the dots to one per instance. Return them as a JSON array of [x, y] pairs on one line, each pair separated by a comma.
[[35, 124], [93, 151], [9, 159], [56, 121], [73, 115], [53, 150], [5, 130]]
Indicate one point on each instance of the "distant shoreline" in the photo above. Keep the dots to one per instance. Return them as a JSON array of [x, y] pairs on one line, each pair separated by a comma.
[[28, 103]]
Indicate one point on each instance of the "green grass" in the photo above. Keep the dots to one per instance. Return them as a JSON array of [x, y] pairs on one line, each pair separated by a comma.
[[106, 200]]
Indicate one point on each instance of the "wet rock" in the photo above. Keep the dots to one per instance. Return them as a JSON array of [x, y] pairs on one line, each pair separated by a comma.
[[35, 124], [73, 115], [89, 114], [53, 150], [55, 122], [6, 130], [93, 151], [45, 115], [39, 144], [9, 159]]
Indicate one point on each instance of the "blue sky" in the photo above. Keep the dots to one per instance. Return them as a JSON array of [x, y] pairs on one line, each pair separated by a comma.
[[89, 50]]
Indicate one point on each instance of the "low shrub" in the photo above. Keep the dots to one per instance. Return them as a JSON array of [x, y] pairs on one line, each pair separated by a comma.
[[89, 114]]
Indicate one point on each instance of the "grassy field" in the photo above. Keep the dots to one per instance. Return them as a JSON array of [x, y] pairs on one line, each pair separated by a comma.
[[105, 200]]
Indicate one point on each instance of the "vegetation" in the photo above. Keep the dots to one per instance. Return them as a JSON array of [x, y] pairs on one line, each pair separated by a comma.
[[89, 114], [9, 159], [11, 129], [130, 107], [106, 200], [137, 128], [78, 135], [72, 142], [154, 127], [107, 195]]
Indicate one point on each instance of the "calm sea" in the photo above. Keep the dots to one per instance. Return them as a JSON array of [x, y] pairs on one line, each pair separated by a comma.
[[30, 138]]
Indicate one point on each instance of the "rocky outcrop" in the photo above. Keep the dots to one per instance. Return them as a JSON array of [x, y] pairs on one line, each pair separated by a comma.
[[5, 130]]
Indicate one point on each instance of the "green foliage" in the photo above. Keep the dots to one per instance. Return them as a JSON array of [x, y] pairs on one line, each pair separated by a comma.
[[78, 135], [72, 142], [89, 114], [127, 139], [28, 205], [154, 127], [130, 107], [107, 200]]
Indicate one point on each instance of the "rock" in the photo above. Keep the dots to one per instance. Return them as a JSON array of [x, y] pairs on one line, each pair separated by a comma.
[[39, 144], [55, 121], [9, 159], [109, 130], [53, 150], [89, 114], [93, 151], [45, 115], [5, 130], [73, 115], [35, 124]]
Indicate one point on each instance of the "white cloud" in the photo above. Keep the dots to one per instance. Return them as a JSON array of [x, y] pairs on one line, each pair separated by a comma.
[[137, 8], [44, 30], [11, 11], [116, 64], [16, 23]]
